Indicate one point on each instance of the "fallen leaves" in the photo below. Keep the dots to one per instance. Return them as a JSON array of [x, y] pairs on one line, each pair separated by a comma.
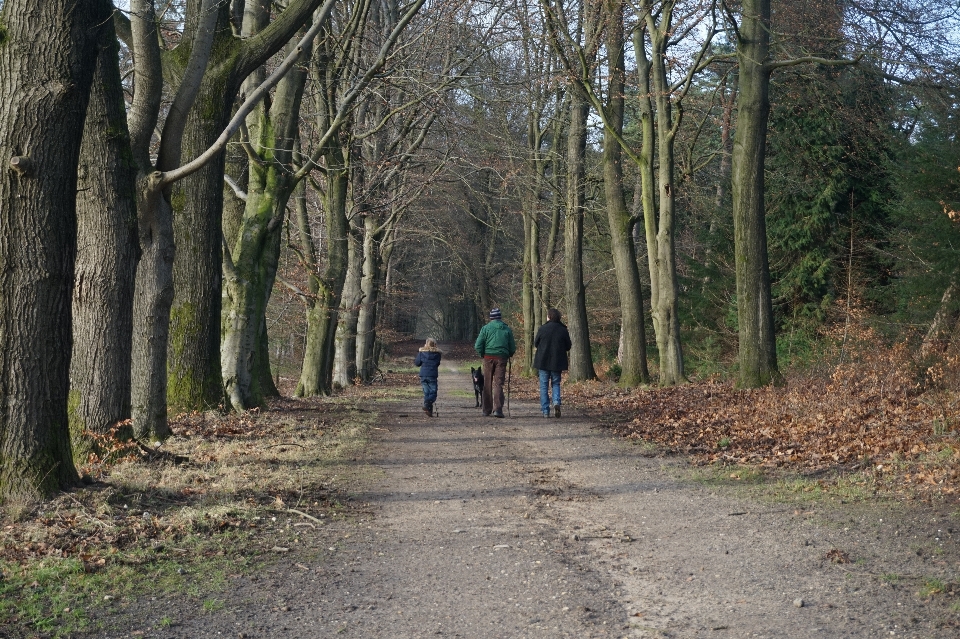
[[837, 556], [874, 414]]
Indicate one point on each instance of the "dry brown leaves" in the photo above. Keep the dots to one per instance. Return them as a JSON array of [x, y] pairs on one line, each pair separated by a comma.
[[883, 412], [211, 477]]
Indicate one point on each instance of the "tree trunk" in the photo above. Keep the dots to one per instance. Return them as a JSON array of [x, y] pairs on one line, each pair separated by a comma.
[[345, 354], [666, 309], [935, 339], [48, 52], [153, 293], [531, 245], [250, 266], [195, 381], [555, 180], [633, 356], [107, 253], [151, 312], [370, 293], [326, 287], [581, 361], [758, 346], [195, 376]]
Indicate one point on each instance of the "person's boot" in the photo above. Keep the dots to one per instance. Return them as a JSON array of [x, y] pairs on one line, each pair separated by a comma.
[[556, 410]]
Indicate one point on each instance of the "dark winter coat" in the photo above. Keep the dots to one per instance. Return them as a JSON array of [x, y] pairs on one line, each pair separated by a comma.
[[552, 343], [429, 363], [495, 338]]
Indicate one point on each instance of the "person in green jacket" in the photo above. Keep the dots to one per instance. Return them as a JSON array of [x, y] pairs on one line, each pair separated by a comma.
[[495, 344]]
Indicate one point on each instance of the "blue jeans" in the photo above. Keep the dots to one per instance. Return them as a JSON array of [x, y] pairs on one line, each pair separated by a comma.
[[552, 377], [429, 392]]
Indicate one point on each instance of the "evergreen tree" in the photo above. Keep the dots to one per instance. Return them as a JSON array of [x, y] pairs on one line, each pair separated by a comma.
[[829, 189]]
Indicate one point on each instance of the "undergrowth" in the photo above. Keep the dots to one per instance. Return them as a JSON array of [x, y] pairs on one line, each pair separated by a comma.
[[222, 496], [869, 418]]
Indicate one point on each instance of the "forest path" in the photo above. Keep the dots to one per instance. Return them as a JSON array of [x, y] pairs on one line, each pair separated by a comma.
[[543, 528]]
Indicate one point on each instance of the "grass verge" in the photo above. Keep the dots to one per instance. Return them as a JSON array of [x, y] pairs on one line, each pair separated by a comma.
[[220, 498]]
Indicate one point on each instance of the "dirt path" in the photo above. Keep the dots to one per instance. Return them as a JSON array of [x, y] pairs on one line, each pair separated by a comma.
[[532, 527]]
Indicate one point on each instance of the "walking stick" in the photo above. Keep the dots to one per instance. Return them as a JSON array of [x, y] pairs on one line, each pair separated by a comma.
[[509, 373]]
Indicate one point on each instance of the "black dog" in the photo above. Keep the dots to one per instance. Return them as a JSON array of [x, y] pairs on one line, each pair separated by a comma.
[[477, 376]]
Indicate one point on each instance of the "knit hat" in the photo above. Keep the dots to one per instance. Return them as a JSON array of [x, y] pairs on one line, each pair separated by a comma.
[[494, 313]]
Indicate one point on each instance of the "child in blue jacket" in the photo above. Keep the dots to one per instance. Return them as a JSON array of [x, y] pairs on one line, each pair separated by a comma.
[[428, 359]]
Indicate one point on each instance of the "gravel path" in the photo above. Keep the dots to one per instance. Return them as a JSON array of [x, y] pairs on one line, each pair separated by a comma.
[[528, 527]]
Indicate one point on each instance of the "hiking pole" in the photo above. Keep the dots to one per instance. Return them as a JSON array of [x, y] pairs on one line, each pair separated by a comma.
[[509, 373]]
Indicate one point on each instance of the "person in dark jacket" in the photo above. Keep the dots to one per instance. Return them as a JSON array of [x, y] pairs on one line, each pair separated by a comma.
[[552, 343], [428, 359], [495, 344]]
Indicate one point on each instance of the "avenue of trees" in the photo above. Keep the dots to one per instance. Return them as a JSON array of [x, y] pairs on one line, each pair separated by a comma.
[[202, 201]]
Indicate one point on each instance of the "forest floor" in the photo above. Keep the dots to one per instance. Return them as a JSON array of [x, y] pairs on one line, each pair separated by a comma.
[[640, 514]]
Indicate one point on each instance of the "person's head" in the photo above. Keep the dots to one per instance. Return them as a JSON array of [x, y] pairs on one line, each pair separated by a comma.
[[495, 314], [553, 315], [430, 343]]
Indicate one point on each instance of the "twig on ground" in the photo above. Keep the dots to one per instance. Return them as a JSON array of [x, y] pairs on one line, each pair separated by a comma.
[[303, 514], [83, 511]]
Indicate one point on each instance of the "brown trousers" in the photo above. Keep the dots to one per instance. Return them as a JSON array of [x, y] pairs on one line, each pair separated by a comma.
[[494, 372]]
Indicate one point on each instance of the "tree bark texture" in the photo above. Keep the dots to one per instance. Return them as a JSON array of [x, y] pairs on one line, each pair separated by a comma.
[[633, 361], [581, 361], [48, 53], [527, 302], [534, 308], [665, 311], [757, 338], [154, 287], [151, 311], [345, 356], [249, 267], [195, 378], [326, 287], [370, 279], [108, 250]]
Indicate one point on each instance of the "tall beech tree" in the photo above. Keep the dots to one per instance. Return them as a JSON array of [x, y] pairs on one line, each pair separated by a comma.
[[633, 358], [659, 106], [194, 375], [336, 58], [154, 292], [108, 250], [755, 321], [663, 100], [252, 250], [576, 40], [48, 54], [541, 94]]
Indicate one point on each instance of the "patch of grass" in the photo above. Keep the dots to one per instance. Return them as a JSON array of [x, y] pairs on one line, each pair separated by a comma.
[[646, 448], [932, 586], [890, 578], [798, 489], [209, 503], [212, 605], [786, 487], [726, 475], [724, 442]]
